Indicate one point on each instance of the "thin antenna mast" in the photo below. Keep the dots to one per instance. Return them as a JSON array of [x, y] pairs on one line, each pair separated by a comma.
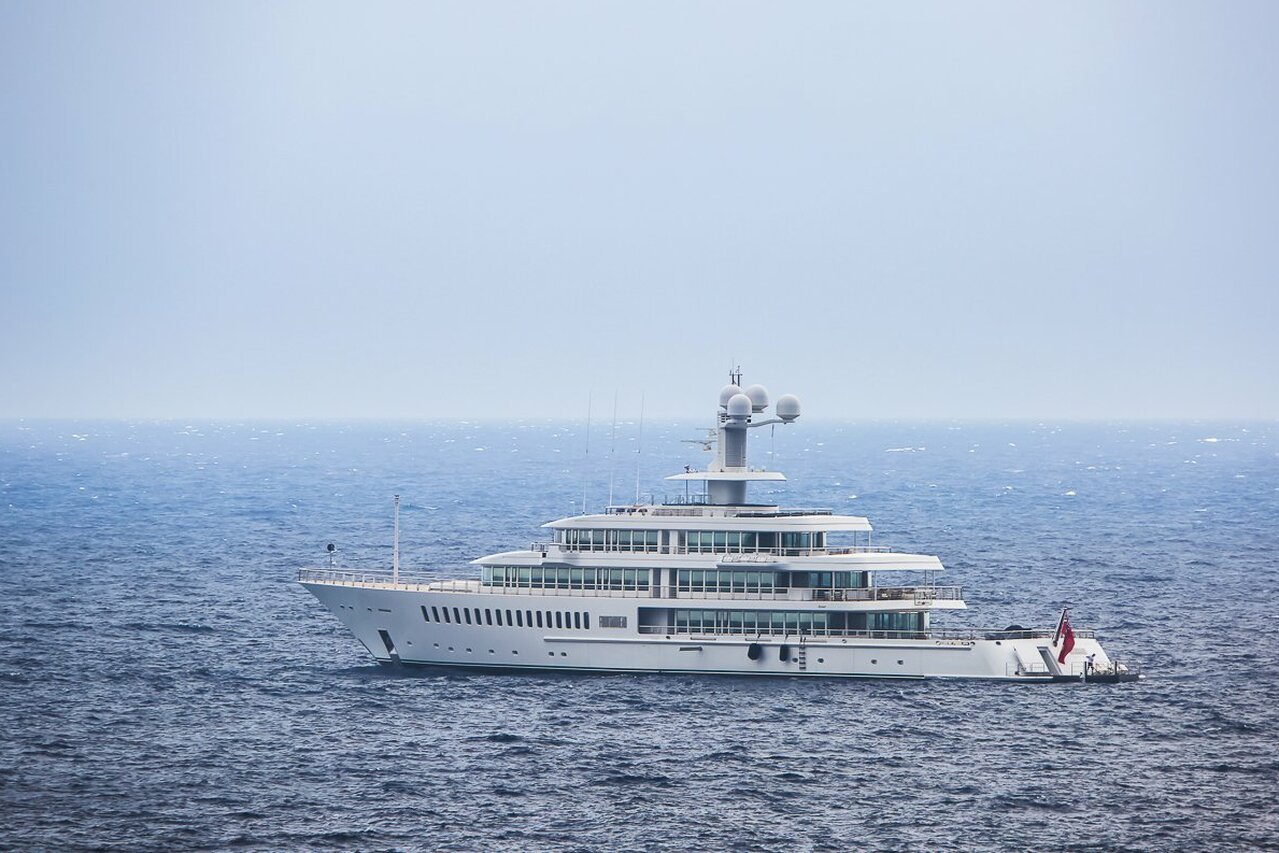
[[395, 545], [639, 449], [587, 455], [612, 443]]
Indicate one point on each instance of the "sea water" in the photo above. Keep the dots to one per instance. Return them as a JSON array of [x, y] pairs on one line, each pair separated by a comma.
[[165, 683]]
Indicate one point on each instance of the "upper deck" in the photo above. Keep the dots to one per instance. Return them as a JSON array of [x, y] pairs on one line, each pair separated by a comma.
[[747, 517]]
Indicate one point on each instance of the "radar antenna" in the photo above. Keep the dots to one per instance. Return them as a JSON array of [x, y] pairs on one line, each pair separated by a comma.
[[707, 443]]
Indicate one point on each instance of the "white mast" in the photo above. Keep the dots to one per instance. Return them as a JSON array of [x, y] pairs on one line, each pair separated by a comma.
[[395, 545], [639, 450]]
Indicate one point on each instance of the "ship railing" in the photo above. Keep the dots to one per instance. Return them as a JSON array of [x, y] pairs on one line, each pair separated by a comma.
[[852, 549], [374, 578], [818, 634], [1038, 669], [747, 556], [1115, 667], [919, 595], [758, 555], [707, 510]]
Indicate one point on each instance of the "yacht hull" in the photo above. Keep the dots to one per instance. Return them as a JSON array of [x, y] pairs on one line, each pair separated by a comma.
[[408, 626]]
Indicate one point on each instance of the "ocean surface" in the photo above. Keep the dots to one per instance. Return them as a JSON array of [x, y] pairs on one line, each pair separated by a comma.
[[165, 684]]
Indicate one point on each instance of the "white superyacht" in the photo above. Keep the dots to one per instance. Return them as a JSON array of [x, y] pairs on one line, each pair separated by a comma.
[[710, 583]]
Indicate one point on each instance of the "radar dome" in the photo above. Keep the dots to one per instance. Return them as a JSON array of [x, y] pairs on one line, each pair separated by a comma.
[[788, 407], [726, 393], [739, 406], [759, 397]]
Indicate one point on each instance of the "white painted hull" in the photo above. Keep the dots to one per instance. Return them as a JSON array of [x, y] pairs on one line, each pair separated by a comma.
[[378, 615]]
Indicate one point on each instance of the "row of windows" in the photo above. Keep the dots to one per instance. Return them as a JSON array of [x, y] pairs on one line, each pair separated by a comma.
[[696, 580], [782, 622], [514, 618], [695, 541], [750, 621], [543, 577], [716, 581], [745, 540], [829, 580], [610, 540]]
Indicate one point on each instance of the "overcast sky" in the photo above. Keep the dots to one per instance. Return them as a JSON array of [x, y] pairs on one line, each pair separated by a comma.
[[981, 210]]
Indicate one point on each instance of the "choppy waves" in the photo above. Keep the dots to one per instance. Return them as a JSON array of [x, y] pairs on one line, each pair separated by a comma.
[[164, 683]]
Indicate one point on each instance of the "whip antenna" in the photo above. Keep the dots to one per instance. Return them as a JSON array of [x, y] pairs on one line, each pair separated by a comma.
[[612, 443], [587, 455], [395, 545], [639, 449]]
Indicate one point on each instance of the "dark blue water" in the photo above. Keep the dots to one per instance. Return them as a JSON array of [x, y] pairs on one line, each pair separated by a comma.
[[165, 684]]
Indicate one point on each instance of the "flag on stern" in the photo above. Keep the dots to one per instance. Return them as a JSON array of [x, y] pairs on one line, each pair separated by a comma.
[[1065, 635]]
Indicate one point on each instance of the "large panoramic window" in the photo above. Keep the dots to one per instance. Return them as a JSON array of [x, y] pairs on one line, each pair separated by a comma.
[[549, 577], [711, 580], [748, 541], [829, 580], [776, 622], [575, 539]]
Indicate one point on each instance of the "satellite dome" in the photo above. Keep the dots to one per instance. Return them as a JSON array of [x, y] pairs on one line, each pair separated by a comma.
[[759, 397], [788, 407], [726, 393], [739, 406]]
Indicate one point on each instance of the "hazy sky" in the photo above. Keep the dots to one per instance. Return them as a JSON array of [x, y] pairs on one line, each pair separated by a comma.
[[893, 209]]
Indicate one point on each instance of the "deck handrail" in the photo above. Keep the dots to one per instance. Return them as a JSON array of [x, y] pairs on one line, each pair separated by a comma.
[[920, 595], [777, 551], [815, 634]]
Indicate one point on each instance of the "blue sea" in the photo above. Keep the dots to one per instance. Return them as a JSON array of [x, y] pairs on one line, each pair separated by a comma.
[[166, 684]]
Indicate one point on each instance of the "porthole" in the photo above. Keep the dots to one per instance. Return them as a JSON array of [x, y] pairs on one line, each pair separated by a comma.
[[901, 663], [450, 648], [550, 654], [468, 650], [821, 660], [563, 654], [514, 652], [492, 652], [437, 645], [874, 660]]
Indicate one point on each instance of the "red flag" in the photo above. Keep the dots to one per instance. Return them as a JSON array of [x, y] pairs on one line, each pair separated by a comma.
[[1067, 637]]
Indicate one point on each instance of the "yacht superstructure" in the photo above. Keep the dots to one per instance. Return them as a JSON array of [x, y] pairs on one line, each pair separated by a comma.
[[710, 583]]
